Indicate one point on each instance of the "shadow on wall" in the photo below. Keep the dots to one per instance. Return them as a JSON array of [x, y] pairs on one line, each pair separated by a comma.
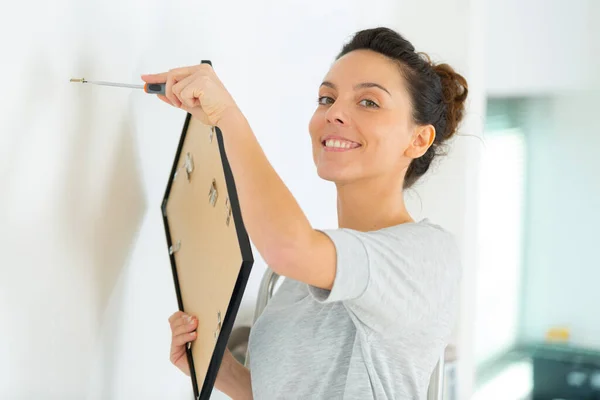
[[69, 228], [102, 207], [114, 235], [21, 119], [119, 217], [20, 270]]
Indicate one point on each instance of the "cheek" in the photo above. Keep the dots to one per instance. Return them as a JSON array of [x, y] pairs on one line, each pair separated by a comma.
[[388, 147], [314, 123], [314, 130], [315, 127]]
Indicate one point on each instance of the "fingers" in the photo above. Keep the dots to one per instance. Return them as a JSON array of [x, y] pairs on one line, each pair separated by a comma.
[[169, 78], [191, 94], [162, 77], [164, 98], [177, 314], [184, 332], [172, 78], [155, 78], [188, 90], [183, 339], [180, 318], [184, 326]]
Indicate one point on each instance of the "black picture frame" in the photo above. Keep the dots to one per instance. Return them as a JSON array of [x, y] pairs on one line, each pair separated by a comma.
[[203, 390]]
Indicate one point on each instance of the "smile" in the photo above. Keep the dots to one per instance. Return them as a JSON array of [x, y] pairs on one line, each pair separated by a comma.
[[339, 145]]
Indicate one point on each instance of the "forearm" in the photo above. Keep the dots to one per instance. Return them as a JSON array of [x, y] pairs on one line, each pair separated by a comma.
[[233, 379], [274, 220]]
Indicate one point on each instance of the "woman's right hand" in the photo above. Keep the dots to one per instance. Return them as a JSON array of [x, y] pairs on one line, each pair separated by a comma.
[[183, 331]]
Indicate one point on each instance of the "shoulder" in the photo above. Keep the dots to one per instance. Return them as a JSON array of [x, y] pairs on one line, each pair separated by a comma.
[[422, 229], [422, 235], [417, 243]]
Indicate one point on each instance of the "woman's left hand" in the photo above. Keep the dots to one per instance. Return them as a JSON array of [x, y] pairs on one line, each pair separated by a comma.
[[197, 90]]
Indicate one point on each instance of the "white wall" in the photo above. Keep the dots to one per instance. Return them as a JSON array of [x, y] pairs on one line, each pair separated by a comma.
[[539, 46], [85, 282]]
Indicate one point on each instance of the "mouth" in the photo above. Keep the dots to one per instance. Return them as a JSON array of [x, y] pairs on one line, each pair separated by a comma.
[[339, 144]]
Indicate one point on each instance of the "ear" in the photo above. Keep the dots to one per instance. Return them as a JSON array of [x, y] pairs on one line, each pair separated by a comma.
[[422, 139]]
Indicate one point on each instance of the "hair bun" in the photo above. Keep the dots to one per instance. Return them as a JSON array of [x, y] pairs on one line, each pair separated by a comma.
[[454, 93]]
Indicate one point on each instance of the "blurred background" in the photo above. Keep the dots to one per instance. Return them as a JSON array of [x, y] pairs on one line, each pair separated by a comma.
[[85, 280]]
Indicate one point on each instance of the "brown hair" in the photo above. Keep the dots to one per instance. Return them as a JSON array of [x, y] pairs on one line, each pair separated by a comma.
[[437, 92]]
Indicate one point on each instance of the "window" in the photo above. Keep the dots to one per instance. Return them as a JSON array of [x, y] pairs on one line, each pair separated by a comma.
[[500, 219]]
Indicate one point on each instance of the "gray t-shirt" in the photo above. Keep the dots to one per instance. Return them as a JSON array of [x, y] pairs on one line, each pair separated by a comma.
[[377, 334]]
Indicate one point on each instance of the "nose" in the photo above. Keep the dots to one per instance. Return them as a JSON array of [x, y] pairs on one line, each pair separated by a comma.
[[336, 115]]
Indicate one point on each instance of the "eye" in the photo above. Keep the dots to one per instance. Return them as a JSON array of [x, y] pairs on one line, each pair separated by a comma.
[[325, 100], [369, 103]]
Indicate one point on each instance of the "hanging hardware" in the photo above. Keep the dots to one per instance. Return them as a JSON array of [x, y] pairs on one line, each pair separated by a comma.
[[227, 211], [175, 248], [189, 165], [219, 325], [213, 193]]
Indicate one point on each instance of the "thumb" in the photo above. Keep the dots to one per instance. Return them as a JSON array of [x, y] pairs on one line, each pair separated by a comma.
[[155, 78]]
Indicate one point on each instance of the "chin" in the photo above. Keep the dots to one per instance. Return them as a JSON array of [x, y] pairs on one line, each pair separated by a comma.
[[334, 175], [327, 177]]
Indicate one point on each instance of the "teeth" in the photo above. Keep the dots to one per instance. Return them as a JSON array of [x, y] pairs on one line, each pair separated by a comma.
[[338, 144]]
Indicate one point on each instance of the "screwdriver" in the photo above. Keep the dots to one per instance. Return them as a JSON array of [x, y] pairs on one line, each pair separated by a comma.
[[151, 88]]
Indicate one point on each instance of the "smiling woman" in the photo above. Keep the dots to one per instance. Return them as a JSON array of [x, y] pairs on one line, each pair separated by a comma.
[[366, 308], [410, 92]]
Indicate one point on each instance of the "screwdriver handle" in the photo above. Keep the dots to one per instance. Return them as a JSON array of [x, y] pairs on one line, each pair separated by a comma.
[[159, 88], [155, 88]]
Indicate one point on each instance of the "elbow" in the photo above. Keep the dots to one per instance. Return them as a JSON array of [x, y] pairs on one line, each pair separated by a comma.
[[280, 258], [285, 255]]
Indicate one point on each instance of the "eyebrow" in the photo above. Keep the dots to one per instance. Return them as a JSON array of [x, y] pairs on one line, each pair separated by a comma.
[[359, 86]]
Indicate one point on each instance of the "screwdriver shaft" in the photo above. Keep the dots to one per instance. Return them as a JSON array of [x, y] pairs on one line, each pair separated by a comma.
[[125, 85], [152, 88]]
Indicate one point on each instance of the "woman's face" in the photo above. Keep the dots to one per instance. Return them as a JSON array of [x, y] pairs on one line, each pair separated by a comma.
[[362, 127]]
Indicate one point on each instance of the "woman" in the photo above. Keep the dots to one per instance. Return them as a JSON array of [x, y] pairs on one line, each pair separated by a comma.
[[367, 308]]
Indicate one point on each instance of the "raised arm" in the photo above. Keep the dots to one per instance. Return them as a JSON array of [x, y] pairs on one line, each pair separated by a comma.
[[275, 223]]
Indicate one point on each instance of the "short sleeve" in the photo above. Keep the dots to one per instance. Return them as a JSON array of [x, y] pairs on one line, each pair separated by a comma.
[[395, 277]]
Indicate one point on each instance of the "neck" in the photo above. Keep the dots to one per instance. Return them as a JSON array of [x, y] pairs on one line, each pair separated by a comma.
[[370, 205]]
